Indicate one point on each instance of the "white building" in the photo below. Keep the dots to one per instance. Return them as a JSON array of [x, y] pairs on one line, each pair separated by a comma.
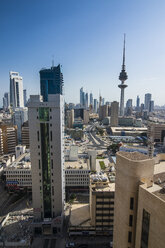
[[46, 125], [18, 174], [77, 174], [20, 116], [16, 90]]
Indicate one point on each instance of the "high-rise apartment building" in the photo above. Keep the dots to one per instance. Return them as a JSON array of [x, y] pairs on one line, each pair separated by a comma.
[[147, 100], [46, 125], [25, 134], [9, 136], [129, 107], [70, 118], [51, 81], [16, 90], [114, 114]]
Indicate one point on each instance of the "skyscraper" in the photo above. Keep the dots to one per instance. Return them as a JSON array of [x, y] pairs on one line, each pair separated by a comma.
[[95, 105], [86, 100], [122, 77], [51, 81], [6, 100], [46, 126], [137, 103], [147, 100], [16, 90], [151, 106], [91, 99], [114, 114], [81, 97], [25, 97]]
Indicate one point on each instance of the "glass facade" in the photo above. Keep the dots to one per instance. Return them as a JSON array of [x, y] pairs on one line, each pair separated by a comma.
[[51, 82], [44, 114], [145, 229], [46, 169]]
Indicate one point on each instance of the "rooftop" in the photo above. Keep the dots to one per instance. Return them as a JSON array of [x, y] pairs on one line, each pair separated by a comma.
[[133, 155], [80, 164]]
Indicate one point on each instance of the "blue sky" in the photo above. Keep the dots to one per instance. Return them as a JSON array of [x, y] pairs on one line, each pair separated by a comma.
[[86, 37]]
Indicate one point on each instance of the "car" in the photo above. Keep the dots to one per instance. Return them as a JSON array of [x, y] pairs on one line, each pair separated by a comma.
[[70, 245]]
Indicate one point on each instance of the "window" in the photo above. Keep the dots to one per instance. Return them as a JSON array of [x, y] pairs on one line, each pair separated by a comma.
[[50, 135], [131, 220], [44, 114], [129, 237], [52, 190], [38, 137], [145, 229], [131, 203], [52, 163]]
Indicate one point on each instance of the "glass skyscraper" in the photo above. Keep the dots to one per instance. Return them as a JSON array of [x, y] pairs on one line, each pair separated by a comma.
[[51, 82]]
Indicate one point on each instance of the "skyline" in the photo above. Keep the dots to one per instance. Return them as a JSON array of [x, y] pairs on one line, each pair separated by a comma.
[[85, 38]]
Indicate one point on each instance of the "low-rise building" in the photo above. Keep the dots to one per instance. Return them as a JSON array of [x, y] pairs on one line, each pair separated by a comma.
[[102, 201], [18, 174]]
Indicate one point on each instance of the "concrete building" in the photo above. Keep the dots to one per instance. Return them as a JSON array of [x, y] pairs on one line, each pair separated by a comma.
[[19, 150], [20, 116], [46, 126], [147, 100], [25, 134], [77, 175], [131, 168], [16, 90], [122, 77], [157, 132], [9, 138], [70, 118], [114, 114], [102, 202], [128, 131], [103, 112], [92, 159], [18, 174]]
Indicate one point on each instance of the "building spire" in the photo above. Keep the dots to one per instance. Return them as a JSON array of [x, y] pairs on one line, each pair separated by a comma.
[[123, 66]]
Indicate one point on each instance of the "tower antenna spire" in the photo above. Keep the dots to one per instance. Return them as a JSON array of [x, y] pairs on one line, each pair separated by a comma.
[[123, 66]]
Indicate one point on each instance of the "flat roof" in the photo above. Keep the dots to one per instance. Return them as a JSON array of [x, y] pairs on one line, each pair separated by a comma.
[[81, 164], [133, 155]]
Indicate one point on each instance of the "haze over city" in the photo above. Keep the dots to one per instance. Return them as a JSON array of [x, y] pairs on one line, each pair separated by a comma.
[[86, 38]]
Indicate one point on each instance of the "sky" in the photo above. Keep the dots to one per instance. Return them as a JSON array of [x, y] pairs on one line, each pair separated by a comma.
[[86, 38]]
